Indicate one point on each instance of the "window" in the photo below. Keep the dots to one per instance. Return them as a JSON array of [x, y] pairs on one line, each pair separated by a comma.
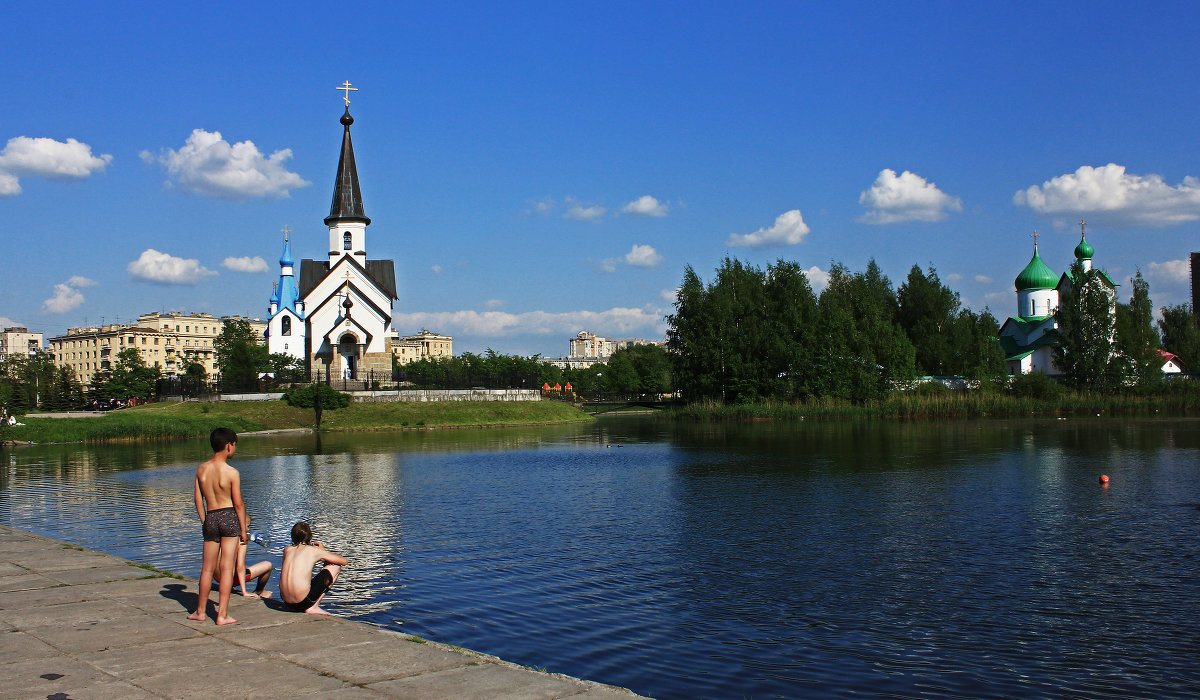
[[286, 325], [346, 241]]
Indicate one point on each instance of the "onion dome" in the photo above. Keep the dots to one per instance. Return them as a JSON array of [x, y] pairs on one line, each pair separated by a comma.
[[1036, 275], [285, 260], [1083, 251]]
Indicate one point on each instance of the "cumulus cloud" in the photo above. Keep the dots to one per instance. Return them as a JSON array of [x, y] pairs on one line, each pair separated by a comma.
[[541, 206], [493, 303], [245, 264], [983, 279], [583, 211], [43, 157], [161, 268], [1176, 271], [896, 198], [954, 277], [1113, 195], [645, 206], [615, 321], [789, 229], [643, 256], [670, 295], [67, 295], [209, 165], [437, 269], [818, 279]]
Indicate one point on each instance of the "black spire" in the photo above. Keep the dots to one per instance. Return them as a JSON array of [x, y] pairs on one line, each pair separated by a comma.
[[347, 198]]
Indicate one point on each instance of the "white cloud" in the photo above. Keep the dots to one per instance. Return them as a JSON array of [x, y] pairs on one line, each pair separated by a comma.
[[245, 264], [1170, 271], [789, 229], [493, 303], [583, 211], [1113, 195], [43, 157], [670, 295], [983, 279], [818, 279], [161, 268], [905, 197], [67, 295], [541, 206], [954, 277], [614, 321], [208, 165], [643, 256], [607, 265], [645, 206], [437, 269], [6, 322]]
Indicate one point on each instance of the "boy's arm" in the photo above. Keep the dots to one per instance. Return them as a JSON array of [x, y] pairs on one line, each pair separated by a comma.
[[236, 494], [199, 499], [330, 558]]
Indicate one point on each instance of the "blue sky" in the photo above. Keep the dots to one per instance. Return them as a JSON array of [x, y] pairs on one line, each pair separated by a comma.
[[538, 169]]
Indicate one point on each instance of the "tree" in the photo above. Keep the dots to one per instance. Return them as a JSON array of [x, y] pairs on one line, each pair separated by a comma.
[[240, 357], [1137, 340], [1181, 334], [929, 314], [1086, 326], [651, 366], [130, 377]]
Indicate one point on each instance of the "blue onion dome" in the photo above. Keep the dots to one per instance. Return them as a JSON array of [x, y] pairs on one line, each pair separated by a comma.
[[1036, 275], [286, 258], [1083, 251]]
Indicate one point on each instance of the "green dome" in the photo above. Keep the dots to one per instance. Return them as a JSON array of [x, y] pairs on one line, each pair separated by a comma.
[[1083, 251], [1036, 275]]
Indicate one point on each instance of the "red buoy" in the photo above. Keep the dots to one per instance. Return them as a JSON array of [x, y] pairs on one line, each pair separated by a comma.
[[1104, 479]]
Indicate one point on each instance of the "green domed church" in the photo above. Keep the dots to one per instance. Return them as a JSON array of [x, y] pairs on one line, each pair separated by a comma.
[[1026, 338]]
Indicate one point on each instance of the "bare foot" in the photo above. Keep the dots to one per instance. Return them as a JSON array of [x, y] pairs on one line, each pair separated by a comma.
[[226, 620], [198, 616], [250, 595], [314, 610], [264, 595]]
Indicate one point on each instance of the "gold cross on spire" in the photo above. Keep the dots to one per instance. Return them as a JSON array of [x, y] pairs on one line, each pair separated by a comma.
[[286, 231], [345, 88], [1035, 237], [1082, 227]]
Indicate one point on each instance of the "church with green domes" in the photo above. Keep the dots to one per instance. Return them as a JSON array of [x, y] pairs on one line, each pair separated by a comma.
[[1027, 337]]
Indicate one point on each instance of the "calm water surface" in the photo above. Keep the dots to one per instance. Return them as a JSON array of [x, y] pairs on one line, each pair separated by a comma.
[[960, 559]]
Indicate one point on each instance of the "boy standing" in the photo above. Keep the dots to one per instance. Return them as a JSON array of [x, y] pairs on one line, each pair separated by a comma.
[[295, 588], [218, 496]]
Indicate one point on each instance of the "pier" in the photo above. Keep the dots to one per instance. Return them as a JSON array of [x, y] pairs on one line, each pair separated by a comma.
[[81, 623]]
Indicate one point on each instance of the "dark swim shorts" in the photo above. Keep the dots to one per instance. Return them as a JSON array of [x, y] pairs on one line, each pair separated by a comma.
[[320, 583], [222, 522]]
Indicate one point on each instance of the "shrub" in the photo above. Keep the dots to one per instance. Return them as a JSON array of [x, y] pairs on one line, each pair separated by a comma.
[[1035, 385], [305, 397]]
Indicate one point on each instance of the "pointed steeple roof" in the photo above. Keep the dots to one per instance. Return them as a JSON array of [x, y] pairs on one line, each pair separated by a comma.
[[347, 198]]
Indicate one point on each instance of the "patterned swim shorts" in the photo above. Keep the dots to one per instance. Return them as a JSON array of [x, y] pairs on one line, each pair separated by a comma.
[[222, 522]]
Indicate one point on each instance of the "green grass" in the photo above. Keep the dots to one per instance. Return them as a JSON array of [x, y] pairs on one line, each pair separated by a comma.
[[155, 571], [181, 421]]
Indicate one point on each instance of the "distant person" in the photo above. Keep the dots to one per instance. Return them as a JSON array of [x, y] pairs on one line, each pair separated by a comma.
[[261, 571], [218, 496], [295, 587]]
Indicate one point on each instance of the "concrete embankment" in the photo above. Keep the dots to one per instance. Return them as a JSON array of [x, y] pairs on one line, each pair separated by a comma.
[[80, 623]]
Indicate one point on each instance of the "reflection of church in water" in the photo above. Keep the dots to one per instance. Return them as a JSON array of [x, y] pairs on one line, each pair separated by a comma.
[[337, 315]]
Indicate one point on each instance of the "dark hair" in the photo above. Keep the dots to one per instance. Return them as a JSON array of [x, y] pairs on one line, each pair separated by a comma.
[[301, 533], [222, 437]]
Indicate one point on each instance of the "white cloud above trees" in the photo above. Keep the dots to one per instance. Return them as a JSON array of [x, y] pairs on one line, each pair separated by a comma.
[[583, 211], [645, 206], [43, 157], [162, 268], [643, 256], [209, 165], [1117, 197], [614, 321], [789, 229], [67, 296], [894, 199]]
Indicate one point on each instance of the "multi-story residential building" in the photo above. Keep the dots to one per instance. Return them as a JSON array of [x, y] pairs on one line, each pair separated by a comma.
[[169, 341], [17, 340], [423, 345], [588, 349]]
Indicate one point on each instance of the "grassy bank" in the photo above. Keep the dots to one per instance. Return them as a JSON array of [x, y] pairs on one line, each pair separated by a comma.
[[175, 421], [948, 405]]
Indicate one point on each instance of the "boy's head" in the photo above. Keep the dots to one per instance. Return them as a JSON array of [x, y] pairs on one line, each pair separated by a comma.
[[301, 533], [222, 437]]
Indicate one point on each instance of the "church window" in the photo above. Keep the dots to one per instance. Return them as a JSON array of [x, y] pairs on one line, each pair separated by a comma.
[[346, 241], [286, 325]]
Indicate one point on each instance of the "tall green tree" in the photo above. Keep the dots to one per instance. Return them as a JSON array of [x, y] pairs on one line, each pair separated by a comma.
[[1086, 328], [240, 357], [131, 377], [1181, 334], [1137, 340], [928, 311], [651, 366]]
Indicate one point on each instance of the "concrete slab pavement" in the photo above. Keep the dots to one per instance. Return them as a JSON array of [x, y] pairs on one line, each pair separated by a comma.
[[76, 623]]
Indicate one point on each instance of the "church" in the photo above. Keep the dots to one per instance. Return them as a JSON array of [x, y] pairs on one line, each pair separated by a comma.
[[336, 314], [1027, 338]]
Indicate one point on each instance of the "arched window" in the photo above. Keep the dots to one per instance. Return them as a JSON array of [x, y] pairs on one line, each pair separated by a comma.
[[346, 241], [286, 325]]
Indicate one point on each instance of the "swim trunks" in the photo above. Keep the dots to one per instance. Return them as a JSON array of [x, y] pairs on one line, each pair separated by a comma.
[[222, 522], [316, 588]]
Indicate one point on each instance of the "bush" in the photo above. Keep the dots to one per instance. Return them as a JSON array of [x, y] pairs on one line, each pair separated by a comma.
[[305, 397], [1035, 385]]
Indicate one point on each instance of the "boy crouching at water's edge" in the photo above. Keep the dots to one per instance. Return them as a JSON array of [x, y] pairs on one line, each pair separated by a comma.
[[297, 590]]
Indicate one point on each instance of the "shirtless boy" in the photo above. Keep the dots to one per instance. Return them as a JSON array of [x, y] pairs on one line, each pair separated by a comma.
[[218, 495], [295, 587], [261, 571]]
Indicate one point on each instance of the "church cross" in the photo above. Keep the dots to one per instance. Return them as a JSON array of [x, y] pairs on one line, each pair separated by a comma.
[[1082, 227], [1035, 237], [345, 87], [286, 231]]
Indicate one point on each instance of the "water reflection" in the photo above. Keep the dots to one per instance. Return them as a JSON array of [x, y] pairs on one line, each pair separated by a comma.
[[959, 558]]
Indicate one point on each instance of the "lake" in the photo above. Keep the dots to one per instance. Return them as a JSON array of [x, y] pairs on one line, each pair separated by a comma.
[[802, 559]]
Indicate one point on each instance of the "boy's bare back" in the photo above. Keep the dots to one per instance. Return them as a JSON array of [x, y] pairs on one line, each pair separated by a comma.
[[215, 480], [298, 563]]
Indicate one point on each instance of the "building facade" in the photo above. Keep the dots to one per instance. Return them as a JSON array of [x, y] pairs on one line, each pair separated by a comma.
[[17, 340], [424, 345], [590, 345]]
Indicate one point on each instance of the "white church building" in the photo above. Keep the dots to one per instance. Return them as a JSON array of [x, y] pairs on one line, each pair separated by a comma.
[[1027, 338], [336, 314]]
